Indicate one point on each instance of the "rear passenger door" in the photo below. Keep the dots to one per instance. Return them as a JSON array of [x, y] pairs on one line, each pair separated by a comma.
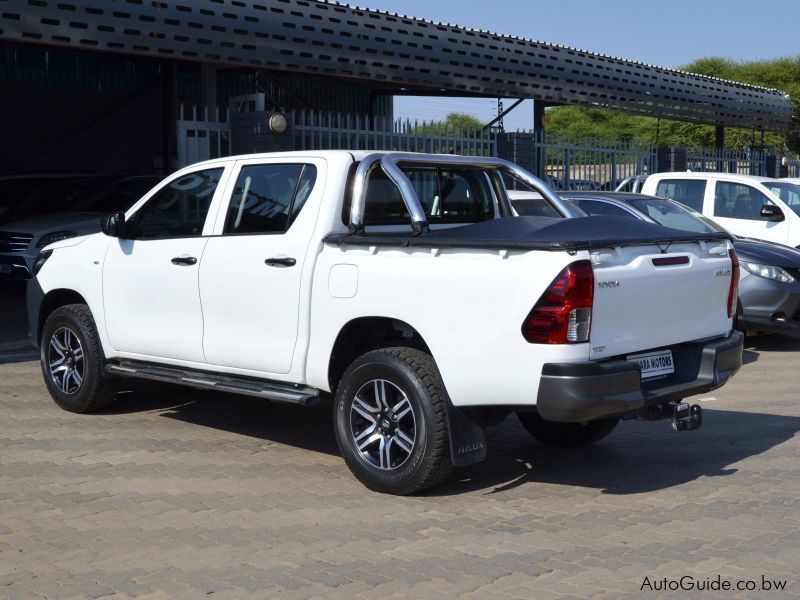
[[254, 268], [737, 207]]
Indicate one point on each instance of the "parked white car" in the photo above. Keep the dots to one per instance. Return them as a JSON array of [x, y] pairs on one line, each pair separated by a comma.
[[749, 206], [401, 286]]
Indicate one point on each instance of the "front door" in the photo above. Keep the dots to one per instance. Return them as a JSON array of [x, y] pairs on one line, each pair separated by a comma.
[[252, 271], [737, 207], [150, 287]]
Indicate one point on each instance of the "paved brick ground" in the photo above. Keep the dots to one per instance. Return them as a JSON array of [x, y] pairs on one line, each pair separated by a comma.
[[177, 494]]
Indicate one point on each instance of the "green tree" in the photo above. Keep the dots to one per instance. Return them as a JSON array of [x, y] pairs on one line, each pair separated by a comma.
[[781, 73], [461, 123]]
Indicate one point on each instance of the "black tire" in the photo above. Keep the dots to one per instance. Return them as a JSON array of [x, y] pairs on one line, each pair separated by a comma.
[[93, 392], [566, 435], [411, 375], [737, 318]]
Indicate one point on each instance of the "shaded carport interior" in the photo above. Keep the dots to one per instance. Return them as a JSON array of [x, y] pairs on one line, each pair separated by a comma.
[[370, 54]]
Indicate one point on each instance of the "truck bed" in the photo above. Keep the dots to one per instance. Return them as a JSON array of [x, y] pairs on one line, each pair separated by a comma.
[[533, 233]]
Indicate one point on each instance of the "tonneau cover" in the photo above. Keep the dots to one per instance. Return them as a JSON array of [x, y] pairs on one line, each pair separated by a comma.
[[533, 233]]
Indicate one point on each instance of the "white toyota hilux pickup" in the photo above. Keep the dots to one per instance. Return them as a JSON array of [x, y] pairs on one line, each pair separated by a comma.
[[402, 287]]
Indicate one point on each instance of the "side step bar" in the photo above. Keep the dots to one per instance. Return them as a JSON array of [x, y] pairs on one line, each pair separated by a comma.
[[246, 386]]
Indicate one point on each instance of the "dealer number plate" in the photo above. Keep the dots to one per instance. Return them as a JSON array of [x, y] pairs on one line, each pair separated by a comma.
[[654, 364]]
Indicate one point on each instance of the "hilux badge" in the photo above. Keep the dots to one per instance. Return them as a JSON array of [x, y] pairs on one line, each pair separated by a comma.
[[608, 284]]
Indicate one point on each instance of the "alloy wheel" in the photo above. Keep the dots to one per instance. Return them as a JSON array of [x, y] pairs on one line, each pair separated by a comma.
[[383, 424], [65, 360]]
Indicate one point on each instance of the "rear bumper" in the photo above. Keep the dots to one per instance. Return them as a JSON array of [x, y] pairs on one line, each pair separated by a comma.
[[573, 392]]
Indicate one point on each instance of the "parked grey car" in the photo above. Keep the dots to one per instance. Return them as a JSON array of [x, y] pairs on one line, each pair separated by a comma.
[[30, 225], [769, 284]]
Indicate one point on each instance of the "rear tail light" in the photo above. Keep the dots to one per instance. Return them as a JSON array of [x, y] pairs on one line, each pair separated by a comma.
[[733, 290], [563, 315]]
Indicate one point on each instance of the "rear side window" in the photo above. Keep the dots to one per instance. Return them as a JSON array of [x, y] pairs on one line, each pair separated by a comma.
[[446, 196], [268, 198], [738, 201], [689, 192], [179, 209]]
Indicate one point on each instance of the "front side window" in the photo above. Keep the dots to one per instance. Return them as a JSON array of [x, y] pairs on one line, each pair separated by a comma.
[[179, 209], [738, 201], [446, 196], [689, 192], [788, 192], [268, 198]]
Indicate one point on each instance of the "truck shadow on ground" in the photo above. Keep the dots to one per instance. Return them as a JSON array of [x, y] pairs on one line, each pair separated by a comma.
[[754, 345], [638, 457], [19, 354], [772, 343], [310, 428]]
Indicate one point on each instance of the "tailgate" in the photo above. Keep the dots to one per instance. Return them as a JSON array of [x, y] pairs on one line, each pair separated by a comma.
[[641, 301]]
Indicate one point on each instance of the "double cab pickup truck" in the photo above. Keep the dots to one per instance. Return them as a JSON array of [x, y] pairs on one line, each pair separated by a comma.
[[400, 287]]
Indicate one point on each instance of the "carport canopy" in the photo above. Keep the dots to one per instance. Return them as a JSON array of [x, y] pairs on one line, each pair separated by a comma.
[[390, 54]]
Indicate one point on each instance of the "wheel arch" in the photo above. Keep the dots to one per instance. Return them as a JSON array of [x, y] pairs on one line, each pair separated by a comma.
[[465, 429], [51, 301], [364, 334]]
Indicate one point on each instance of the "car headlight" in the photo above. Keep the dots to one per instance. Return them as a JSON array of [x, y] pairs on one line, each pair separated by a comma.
[[56, 236], [768, 272], [40, 260]]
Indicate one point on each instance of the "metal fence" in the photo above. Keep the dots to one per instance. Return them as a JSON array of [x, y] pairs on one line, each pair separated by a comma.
[[331, 131], [205, 134], [202, 134], [742, 162], [570, 162], [792, 164], [589, 163]]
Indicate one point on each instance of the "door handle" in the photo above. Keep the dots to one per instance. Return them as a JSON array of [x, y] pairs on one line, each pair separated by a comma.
[[184, 261], [281, 261]]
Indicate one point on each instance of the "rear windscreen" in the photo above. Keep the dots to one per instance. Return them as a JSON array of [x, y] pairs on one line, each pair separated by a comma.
[[446, 195]]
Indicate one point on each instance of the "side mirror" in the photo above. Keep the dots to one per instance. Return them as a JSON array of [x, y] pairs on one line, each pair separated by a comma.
[[770, 212], [113, 225]]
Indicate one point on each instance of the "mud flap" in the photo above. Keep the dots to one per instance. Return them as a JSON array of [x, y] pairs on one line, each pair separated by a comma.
[[467, 436]]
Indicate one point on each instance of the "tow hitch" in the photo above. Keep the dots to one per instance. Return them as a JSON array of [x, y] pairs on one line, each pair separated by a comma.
[[685, 417]]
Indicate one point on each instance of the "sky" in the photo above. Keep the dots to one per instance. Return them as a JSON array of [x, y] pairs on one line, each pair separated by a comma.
[[668, 34]]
